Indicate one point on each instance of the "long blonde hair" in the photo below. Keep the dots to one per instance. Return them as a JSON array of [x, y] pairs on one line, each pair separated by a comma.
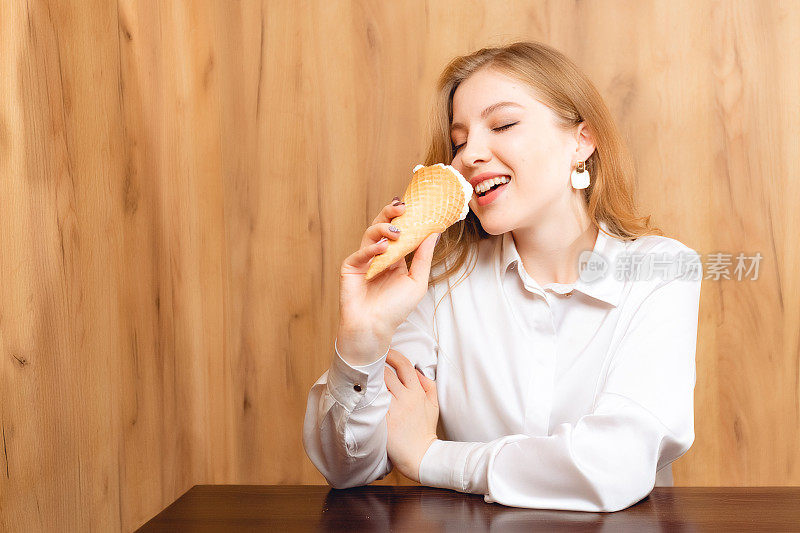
[[563, 88]]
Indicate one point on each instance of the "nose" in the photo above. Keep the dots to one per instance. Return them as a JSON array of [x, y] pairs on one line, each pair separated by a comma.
[[475, 152]]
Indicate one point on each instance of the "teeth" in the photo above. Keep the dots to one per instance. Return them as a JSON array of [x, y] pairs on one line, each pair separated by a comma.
[[487, 184]]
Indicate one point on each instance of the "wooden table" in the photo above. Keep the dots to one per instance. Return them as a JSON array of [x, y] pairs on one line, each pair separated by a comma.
[[384, 508]]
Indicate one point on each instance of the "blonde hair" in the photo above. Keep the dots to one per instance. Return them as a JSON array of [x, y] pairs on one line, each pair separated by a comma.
[[558, 84]]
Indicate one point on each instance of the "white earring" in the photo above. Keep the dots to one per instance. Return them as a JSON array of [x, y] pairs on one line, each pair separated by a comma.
[[580, 176]]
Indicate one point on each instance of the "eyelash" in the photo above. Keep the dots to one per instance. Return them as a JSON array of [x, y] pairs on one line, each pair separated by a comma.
[[501, 128]]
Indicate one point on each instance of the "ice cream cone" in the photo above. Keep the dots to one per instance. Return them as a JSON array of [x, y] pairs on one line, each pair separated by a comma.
[[437, 197]]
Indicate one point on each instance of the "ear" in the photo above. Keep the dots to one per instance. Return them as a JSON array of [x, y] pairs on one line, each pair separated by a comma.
[[584, 143]]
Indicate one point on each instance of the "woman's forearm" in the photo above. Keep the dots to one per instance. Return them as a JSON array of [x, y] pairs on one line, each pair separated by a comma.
[[344, 432]]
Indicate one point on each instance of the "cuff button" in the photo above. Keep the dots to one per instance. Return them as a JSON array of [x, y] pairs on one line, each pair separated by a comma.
[[357, 387]]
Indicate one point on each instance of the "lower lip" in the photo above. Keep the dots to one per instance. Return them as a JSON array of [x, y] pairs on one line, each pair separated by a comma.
[[490, 197]]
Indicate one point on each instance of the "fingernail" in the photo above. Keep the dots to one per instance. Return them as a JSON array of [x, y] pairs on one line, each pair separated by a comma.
[[398, 202], [382, 240], [396, 199], [394, 228]]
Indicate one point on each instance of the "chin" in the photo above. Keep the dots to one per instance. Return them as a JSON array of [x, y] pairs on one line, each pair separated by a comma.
[[493, 229]]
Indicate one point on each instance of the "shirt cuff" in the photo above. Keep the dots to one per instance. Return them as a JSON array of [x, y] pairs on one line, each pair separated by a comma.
[[355, 386], [444, 463]]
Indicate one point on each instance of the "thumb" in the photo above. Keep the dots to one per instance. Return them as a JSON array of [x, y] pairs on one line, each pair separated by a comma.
[[421, 264], [429, 386]]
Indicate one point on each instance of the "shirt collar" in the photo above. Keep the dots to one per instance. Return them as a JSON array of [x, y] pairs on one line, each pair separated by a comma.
[[597, 275]]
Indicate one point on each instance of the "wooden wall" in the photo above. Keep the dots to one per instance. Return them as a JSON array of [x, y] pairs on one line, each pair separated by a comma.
[[180, 182]]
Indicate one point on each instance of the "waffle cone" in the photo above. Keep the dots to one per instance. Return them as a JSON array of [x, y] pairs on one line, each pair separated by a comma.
[[437, 197]]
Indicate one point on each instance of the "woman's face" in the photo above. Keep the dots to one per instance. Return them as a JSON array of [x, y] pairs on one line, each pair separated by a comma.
[[521, 141]]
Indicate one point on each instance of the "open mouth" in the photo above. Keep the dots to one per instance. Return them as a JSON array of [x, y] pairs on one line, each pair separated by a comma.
[[502, 181]]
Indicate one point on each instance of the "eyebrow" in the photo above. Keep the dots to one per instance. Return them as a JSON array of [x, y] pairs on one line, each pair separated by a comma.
[[485, 113]]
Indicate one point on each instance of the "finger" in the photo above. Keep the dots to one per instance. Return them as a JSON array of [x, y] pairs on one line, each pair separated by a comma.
[[401, 266], [429, 386], [361, 258], [392, 383], [397, 264], [389, 212], [376, 231], [421, 264], [404, 369]]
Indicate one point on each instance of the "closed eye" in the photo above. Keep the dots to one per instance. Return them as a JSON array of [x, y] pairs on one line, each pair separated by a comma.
[[501, 128]]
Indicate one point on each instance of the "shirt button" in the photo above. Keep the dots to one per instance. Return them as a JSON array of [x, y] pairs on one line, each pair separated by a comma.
[[357, 387]]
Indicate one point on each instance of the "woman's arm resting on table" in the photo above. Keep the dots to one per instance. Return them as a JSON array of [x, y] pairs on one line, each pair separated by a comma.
[[643, 420]]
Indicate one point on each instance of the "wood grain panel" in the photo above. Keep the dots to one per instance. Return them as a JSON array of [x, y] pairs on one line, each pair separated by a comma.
[[182, 180]]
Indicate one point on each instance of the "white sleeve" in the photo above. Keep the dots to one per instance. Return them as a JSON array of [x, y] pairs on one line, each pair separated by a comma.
[[344, 431], [643, 420]]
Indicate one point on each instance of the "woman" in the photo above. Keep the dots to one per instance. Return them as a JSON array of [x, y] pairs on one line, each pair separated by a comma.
[[562, 368]]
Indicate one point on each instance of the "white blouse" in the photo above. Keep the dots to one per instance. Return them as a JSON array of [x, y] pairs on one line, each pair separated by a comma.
[[574, 397]]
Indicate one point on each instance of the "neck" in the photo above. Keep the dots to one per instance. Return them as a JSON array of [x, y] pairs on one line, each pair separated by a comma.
[[550, 250]]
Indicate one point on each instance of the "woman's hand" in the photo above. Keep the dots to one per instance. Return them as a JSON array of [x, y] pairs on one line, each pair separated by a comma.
[[413, 414], [371, 311]]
